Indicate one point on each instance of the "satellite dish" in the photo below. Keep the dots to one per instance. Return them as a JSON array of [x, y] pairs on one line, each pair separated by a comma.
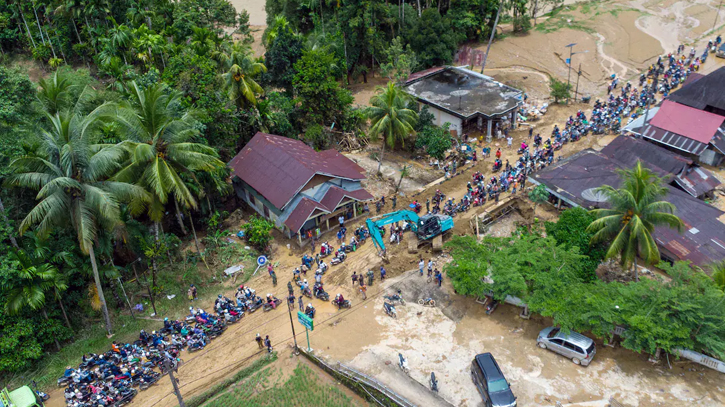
[[594, 195]]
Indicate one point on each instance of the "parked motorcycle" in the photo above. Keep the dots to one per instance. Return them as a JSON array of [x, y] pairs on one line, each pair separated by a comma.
[[322, 295], [396, 297], [427, 302], [390, 310], [345, 304], [268, 306]]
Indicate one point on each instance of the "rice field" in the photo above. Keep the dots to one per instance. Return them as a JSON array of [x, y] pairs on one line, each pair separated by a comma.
[[302, 389]]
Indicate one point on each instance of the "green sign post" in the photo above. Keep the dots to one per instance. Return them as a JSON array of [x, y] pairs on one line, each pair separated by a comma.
[[309, 325]]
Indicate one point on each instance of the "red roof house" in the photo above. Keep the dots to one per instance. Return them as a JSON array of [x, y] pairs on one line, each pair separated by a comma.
[[689, 131], [293, 185]]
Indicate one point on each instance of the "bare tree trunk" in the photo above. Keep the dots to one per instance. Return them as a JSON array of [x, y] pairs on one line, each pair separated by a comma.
[[196, 241], [179, 217], [45, 314], [493, 33], [99, 288], [380, 161], [26, 25], [154, 263], [62, 309], [636, 273], [75, 27], [38, 22], [7, 223], [419, 11]]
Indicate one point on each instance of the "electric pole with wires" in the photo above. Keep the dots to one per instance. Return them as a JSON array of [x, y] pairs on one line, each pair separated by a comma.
[[171, 368]]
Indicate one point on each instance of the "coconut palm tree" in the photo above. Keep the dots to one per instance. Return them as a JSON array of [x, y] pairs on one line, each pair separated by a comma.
[[71, 175], [237, 60], [631, 220], [718, 274], [162, 147], [390, 117]]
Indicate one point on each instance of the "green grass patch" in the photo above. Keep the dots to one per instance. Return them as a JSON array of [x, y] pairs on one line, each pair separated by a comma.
[[302, 389], [560, 21], [241, 375]]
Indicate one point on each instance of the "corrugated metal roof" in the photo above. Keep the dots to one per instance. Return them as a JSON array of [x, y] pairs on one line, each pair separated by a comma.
[[302, 212], [334, 196], [706, 91], [628, 150], [697, 181], [673, 140], [697, 125], [590, 169], [278, 167]]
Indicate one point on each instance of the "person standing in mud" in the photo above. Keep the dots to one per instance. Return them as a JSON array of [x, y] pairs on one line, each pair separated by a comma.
[[354, 278], [259, 341]]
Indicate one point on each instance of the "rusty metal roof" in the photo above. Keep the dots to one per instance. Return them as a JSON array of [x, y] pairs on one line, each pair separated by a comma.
[[629, 150], [697, 181], [703, 239], [302, 212], [279, 167]]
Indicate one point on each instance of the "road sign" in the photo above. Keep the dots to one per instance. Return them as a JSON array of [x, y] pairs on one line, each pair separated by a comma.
[[306, 321], [568, 61], [261, 260]]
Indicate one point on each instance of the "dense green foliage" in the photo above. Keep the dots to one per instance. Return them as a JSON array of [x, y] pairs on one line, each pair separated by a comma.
[[560, 90], [634, 212], [571, 231], [434, 140], [258, 232], [686, 312]]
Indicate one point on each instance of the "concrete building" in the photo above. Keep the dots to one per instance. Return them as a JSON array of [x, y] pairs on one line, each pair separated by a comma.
[[465, 99], [296, 187]]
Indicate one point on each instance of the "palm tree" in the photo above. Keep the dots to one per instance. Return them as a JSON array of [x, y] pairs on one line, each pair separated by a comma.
[[71, 175], [635, 211], [718, 274], [390, 117], [29, 285], [162, 148], [55, 92], [240, 66]]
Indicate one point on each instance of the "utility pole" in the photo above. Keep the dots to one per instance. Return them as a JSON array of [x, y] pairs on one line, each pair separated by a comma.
[[568, 62], [490, 39], [578, 75], [174, 382], [291, 322], [716, 15]]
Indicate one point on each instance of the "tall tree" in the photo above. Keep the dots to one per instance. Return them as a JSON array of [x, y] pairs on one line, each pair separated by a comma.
[[635, 211], [161, 145], [241, 69], [71, 175], [390, 117]]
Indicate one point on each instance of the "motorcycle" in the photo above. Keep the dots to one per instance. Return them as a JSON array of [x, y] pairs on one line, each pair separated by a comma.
[[433, 382], [41, 395], [324, 296], [64, 381], [345, 304], [311, 312], [147, 381], [395, 297], [125, 397], [307, 292], [268, 306], [491, 306], [428, 302], [195, 346], [390, 310], [337, 260], [403, 363]]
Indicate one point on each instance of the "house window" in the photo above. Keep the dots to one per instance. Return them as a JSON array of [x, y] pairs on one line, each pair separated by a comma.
[[251, 200], [266, 211]]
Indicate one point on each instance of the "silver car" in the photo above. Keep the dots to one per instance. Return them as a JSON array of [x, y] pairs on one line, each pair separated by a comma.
[[575, 346]]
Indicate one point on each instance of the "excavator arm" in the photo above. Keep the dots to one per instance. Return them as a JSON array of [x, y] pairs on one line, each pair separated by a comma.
[[373, 224]]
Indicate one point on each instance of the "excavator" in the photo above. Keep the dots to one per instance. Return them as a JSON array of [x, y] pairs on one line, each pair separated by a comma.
[[427, 227]]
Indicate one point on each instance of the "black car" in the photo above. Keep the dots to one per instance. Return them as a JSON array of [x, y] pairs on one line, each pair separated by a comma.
[[491, 383]]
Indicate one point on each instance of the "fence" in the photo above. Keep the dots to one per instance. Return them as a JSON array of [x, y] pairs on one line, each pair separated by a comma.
[[362, 384]]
